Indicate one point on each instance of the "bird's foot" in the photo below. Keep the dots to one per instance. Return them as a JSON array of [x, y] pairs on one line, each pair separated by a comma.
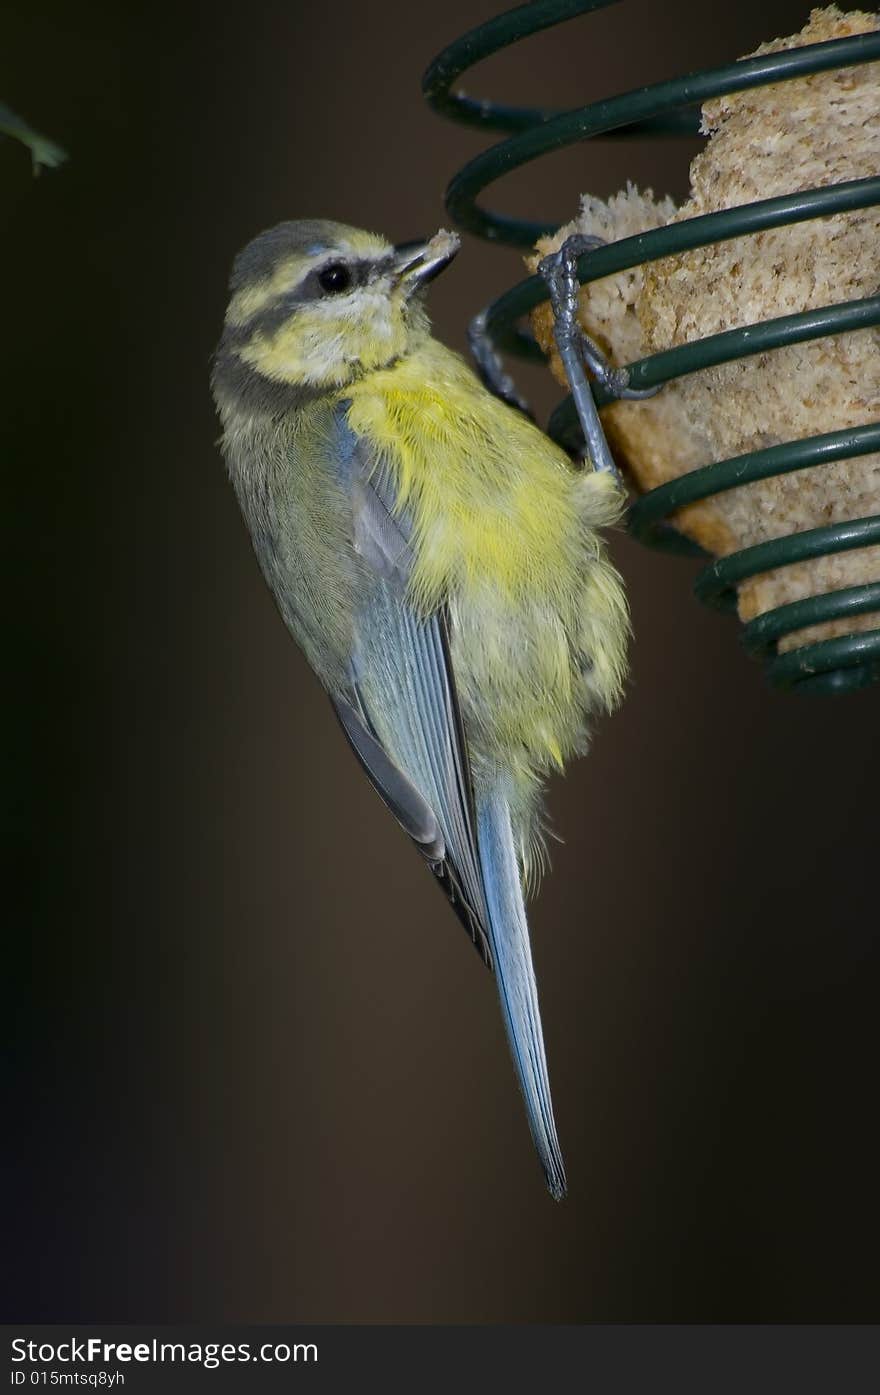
[[560, 272], [490, 368]]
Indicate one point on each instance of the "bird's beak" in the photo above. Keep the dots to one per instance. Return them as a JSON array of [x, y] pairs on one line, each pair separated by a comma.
[[417, 263]]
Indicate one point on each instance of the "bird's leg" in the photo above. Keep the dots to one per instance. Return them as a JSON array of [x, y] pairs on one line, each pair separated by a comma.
[[559, 270], [491, 370]]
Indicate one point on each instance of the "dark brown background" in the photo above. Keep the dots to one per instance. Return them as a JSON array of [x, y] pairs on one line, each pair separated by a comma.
[[258, 1073]]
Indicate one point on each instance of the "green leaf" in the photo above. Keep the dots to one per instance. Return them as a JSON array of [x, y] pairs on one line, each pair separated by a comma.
[[45, 154]]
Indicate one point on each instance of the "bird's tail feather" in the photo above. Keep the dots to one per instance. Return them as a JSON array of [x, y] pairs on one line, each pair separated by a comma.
[[509, 938]]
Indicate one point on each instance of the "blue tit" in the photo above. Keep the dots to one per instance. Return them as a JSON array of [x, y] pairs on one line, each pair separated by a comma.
[[437, 559]]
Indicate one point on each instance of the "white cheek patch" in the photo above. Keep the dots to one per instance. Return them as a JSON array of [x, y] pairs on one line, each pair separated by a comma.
[[323, 341], [366, 312]]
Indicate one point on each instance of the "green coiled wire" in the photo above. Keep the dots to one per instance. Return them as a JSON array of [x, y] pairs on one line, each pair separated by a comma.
[[830, 665]]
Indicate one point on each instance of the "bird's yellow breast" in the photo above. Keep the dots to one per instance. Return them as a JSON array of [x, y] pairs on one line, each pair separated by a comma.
[[504, 534], [489, 494]]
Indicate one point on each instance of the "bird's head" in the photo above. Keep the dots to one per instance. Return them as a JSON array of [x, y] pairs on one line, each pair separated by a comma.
[[316, 304]]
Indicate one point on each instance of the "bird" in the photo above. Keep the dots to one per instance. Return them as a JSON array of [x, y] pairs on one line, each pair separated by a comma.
[[437, 559]]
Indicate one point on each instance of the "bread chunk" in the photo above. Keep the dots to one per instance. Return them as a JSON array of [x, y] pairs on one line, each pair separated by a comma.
[[801, 134]]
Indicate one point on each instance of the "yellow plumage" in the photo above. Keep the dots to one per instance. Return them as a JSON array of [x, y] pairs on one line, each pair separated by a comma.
[[504, 533]]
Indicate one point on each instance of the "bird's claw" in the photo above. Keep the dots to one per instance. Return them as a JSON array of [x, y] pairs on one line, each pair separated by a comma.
[[490, 368], [559, 270]]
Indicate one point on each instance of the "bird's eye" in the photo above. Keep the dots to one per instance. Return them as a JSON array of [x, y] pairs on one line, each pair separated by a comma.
[[334, 278]]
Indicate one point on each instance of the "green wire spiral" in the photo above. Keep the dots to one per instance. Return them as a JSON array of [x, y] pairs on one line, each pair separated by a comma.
[[831, 665]]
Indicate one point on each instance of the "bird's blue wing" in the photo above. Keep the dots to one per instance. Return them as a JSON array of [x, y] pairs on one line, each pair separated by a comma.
[[412, 812], [402, 718], [401, 714]]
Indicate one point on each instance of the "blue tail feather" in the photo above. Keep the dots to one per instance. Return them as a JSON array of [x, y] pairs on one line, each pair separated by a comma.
[[509, 940]]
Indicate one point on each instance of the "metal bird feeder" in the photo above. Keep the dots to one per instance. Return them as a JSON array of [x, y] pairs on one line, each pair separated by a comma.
[[831, 665]]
